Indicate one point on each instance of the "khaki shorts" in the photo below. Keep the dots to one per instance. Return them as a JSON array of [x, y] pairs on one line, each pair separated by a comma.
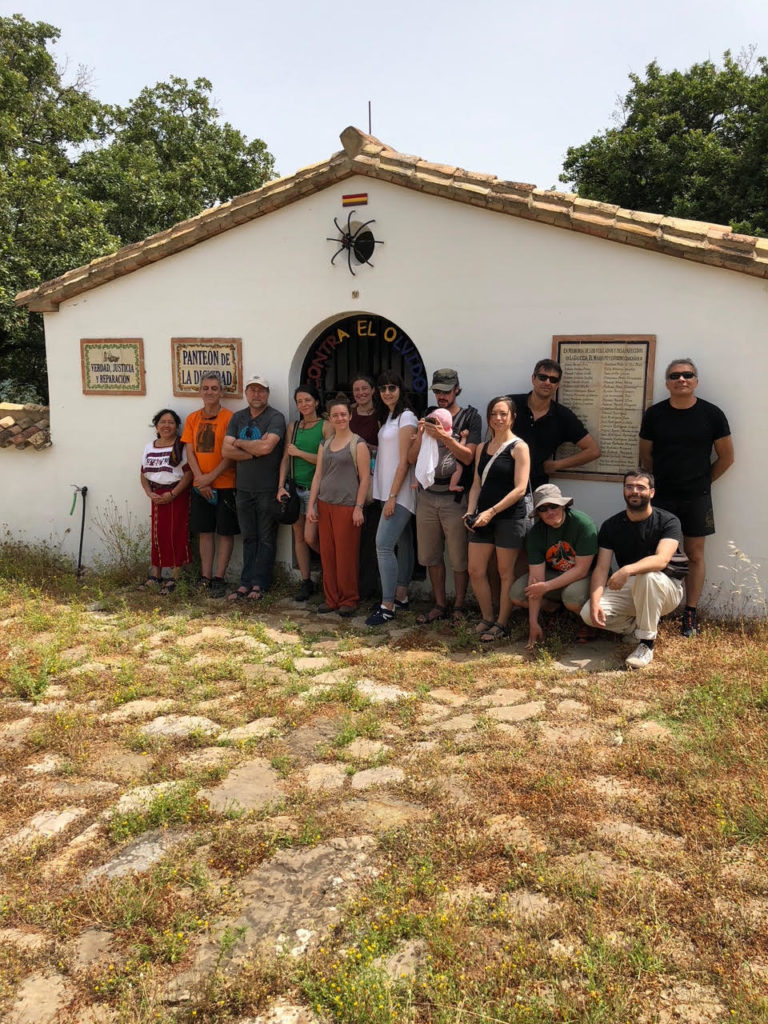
[[439, 525], [574, 594]]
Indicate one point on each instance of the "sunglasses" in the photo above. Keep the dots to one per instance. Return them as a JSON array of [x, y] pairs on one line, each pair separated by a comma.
[[681, 375], [546, 376], [546, 508], [386, 388]]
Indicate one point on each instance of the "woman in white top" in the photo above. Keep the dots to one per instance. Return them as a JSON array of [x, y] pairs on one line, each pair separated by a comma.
[[166, 477], [392, 481]]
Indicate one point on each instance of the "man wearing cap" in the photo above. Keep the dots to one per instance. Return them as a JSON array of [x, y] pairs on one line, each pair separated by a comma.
[[647, 584], [213, 511], [544, 424], [677, 437], [561, 548], [254, 441], [440, 510]]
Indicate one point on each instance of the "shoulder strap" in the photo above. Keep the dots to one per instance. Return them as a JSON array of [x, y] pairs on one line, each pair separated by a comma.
[[495, 456], [463, 418]]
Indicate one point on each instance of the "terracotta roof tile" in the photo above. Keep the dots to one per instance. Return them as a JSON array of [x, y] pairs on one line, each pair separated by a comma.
[[712, 244]]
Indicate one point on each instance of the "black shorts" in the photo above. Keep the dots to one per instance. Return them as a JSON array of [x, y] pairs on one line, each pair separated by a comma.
[[502, 533], [220, 518], [695, 514]]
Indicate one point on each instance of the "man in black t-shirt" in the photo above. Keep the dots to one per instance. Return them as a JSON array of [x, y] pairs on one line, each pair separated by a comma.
[[676, 441], [644, 541], [544, 425]]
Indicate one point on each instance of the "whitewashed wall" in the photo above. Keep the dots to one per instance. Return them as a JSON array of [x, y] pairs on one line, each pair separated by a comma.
[[473, 289]]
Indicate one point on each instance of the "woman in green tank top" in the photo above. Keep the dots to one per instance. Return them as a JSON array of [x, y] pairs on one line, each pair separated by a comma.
[[305, 436]]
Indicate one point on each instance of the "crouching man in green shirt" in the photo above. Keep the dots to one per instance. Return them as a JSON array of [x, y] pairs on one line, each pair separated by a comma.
[[561, 547]]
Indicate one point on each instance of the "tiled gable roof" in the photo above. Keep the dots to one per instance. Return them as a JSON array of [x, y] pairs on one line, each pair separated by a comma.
[[713, 244]]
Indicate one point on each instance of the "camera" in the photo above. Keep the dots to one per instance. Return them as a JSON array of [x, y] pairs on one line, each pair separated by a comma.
[[470, 519]]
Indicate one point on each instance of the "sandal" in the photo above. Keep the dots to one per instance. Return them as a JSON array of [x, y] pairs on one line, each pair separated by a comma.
[[168, 587], [255, 593], [238, 595], [459, 615], [433, 615], [483, 626], [151, 583], [586, 633], [496, 632]]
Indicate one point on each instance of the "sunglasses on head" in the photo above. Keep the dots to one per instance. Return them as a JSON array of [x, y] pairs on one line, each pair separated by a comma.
[[681, 374], [547, 376], [388, 387]]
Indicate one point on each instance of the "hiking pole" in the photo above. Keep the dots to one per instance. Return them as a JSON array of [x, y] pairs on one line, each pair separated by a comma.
[[83, 491]]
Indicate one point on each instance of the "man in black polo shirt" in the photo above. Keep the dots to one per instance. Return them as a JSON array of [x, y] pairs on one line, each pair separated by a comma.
[[647, 584], [677, 437], [544, 425]]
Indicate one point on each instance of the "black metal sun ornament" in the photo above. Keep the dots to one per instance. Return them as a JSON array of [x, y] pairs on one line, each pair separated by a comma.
[[356, 240]]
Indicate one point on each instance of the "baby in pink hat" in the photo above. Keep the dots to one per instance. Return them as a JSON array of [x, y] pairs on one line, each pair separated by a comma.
[[428, 454]]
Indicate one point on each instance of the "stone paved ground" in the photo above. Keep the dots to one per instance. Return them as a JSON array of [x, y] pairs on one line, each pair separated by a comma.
[[300, 745]]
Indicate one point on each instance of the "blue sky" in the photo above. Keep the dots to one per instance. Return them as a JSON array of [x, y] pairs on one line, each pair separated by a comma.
[[497, 87]]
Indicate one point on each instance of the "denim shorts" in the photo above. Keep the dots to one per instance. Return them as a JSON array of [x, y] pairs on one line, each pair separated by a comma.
[[303, 493]]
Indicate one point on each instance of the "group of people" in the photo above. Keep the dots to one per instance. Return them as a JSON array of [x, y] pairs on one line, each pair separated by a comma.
[[367, 470]]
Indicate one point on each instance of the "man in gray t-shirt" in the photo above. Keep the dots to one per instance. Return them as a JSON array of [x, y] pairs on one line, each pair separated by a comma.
[[254, 441], [440, 510]]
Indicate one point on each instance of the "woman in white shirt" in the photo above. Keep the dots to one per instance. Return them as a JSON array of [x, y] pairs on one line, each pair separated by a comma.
[[166, 477], [392, 481]]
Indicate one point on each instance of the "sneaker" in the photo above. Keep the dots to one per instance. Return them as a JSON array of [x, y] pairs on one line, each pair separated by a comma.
[[629, 638], [203, 583], [402, 606], [325, 609], [380, 616], [305, 591], [347, 611], [641, 657], [218, 586], [689, 626]]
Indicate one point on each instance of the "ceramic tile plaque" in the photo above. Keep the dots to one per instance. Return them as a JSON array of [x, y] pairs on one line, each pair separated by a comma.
[[112, 366], [192, 358]]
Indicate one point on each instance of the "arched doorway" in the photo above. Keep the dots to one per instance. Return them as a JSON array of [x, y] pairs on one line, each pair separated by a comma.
[[364, 343]]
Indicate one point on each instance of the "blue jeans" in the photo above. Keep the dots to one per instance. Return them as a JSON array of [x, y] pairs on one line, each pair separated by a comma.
[[259, 530], [395, 569]]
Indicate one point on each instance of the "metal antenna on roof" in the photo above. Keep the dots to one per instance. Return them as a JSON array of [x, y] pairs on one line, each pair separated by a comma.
[[369, 118]]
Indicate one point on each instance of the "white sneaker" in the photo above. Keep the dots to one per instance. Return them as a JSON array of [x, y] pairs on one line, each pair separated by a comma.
[[640, 657]]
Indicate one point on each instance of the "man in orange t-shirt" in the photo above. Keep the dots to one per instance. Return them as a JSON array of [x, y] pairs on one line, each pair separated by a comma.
[[213, 498]]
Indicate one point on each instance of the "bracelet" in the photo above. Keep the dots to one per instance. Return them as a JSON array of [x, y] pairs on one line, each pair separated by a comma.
[[391, 497], [358, 506]]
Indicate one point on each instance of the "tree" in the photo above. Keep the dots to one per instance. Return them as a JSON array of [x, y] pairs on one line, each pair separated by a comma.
[[47, 225], [688, 144], [169, 158], [79, 178]]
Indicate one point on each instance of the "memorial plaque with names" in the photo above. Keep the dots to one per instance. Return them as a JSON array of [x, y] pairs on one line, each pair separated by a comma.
[[192, 358], [112, 366], [608, 382]]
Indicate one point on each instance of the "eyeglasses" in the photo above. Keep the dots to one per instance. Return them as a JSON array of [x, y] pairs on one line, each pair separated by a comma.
[[546, 508], [681, 374], [386, 388], [546, 376]]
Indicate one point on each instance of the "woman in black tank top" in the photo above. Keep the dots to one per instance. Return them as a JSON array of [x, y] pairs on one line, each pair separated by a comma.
[[496, 514]]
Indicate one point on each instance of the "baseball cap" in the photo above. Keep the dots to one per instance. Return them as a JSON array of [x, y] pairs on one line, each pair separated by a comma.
[[256, 379]]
